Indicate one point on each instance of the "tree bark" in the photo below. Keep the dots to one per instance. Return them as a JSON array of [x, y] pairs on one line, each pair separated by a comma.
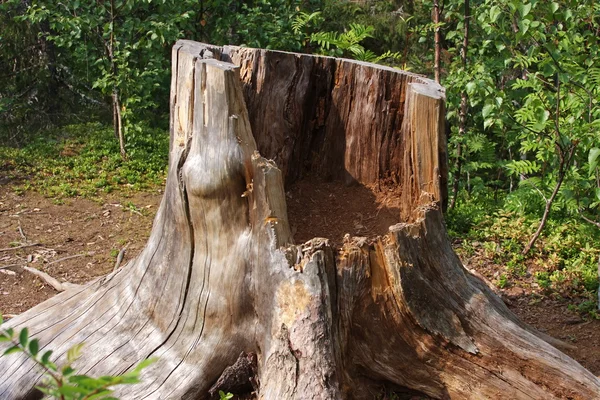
[[464, 107], [221, 287], [115, 97], [437, 40]]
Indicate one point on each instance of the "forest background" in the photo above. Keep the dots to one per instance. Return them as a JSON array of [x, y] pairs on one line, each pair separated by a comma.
[[84, 89]]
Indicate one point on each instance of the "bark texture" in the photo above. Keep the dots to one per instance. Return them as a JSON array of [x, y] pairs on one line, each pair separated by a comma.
[[221, 287]]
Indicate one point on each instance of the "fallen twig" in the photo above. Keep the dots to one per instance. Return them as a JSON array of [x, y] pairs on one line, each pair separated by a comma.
[[119, 258], [22, 233], [69, 257], [57, 285], [10, 266], [20, 247]]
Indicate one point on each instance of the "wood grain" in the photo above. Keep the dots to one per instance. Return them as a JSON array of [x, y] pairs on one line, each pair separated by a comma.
[[220, 275]]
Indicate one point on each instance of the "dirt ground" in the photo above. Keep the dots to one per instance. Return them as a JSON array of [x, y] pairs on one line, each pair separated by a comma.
[[79, 240], [332, 209], [75, 242]]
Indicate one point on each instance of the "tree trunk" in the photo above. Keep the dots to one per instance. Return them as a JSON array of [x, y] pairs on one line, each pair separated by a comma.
[[220, 283], [118, 122], [437, 41], [464, 107]]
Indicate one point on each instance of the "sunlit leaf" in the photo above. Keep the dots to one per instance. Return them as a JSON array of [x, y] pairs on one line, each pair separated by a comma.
[[23, 337]]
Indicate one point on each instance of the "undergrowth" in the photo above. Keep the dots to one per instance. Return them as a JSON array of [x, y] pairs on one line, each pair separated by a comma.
[[84, 160], [490, 233]]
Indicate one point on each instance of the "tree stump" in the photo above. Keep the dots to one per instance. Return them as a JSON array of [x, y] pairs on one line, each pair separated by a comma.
[[221, 287]]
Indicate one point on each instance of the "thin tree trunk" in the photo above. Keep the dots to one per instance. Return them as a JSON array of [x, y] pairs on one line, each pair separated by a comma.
[[118, 122], [116, 101], [565, 155], [437, 40], [565, 162], [464, 108]]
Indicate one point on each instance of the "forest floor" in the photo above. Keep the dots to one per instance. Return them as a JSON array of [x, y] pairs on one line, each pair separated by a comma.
[[78, 239]]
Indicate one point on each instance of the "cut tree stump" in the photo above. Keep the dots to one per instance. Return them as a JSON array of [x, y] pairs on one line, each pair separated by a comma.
[[220, 283]]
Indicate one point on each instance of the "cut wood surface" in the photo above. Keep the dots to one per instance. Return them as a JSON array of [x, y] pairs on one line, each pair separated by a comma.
[[221, 289]]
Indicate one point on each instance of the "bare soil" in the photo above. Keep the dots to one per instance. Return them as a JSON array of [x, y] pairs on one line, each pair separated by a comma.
[[75, 242], [333, 209], [79, 240]]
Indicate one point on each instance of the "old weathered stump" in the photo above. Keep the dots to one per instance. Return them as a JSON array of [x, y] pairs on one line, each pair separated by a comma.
[[220, 279]]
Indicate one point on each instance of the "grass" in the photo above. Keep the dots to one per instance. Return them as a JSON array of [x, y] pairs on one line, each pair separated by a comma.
[[563, 264], [84, 160]]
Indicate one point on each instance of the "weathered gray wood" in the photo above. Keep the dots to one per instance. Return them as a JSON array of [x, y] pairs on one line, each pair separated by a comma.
[[220, 274]]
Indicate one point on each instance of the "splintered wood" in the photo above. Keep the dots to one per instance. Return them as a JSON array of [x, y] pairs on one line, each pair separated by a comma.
[[225, 300]]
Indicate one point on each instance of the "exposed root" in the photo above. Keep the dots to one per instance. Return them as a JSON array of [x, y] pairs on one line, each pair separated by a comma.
[[57, 285]]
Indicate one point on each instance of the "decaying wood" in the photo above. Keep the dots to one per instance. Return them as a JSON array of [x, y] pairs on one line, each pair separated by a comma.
[[119, 258], [55, 283], [89, 253], [19, 247], [239, 378], [220, 274]]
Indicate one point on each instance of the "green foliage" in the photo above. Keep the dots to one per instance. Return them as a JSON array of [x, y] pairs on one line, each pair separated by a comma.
[[390, 19], [588, 308], [348, 44], [502, 281], [566, 257], [32, 95], [529, 78], [116, 46], [64, 383], [83, 160], [270, 24], [225, 396]]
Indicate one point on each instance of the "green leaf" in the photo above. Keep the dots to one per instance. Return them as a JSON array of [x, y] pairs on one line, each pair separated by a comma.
[[471, 87], [487, 110], [494, 13], [524, 9], [553, 7], [145, 363], [523, 25], [74, 352], [223, 396], [101, 395], [73, 392], [593, 158], [23, 336], [34, 347], [46, 357], [13, 349], [568, 14], [598, 193], [1, 319]]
